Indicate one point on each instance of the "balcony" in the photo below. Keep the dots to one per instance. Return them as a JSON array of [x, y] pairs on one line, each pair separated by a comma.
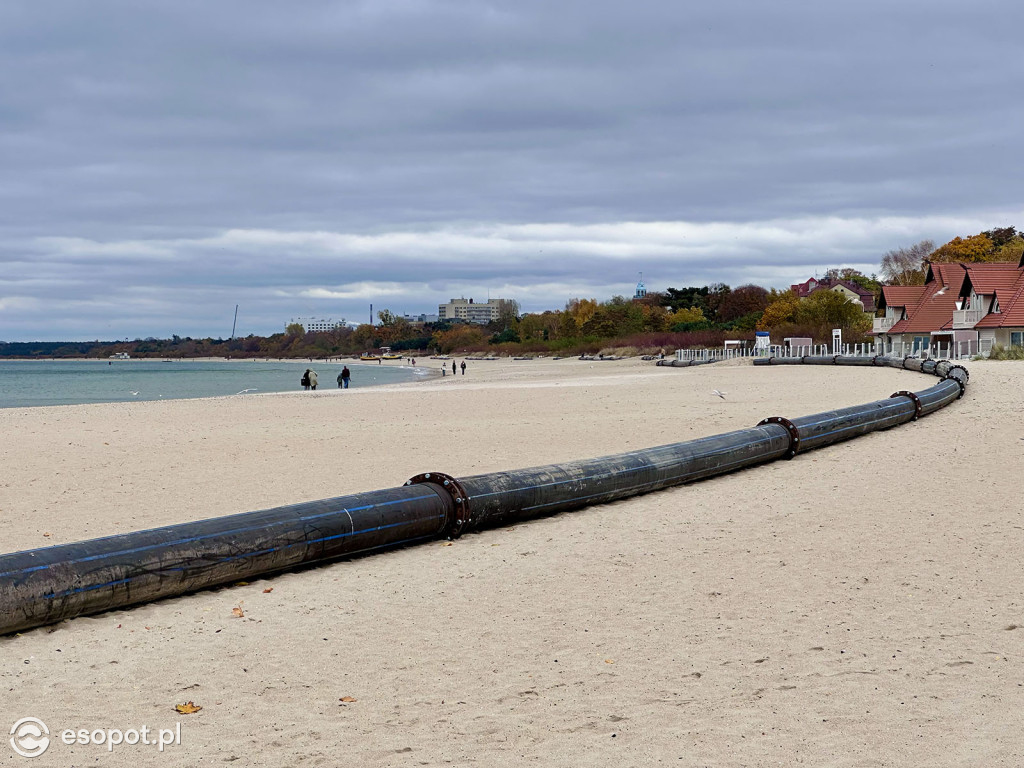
[[966, 318], [883, 324]]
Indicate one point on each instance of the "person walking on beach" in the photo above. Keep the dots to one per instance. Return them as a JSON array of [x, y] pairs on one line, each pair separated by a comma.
[[312, 379], [453, 368], [304, 381], [463, 369], [343, 377]]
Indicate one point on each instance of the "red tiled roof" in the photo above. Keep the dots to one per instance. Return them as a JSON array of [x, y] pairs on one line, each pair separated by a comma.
[[1003, 280], [1010, 296], [934, 309], [986, 278], [902, 295]]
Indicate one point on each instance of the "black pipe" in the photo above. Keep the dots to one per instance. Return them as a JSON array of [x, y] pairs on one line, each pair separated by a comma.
[[43, 586], [687, 363]]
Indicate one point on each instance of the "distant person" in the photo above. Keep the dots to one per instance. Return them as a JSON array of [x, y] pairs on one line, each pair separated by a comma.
[[304, 381], [444, 370], [312, 379], [343, 377], [454, 371], [463, 367], [414, 361]]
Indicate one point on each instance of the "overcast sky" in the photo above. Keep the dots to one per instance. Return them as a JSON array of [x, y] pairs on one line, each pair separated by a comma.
[[161, 163]]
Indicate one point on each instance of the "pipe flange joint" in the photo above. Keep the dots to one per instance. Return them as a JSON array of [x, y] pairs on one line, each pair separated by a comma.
[[462, 517], [963, 387], [967, 374], [913, 398], [791, 428]]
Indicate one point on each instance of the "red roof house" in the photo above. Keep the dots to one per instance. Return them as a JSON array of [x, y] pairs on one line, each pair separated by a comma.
[[962, 307]]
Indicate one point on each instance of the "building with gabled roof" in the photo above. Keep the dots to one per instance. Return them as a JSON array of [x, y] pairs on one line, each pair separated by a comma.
[[992, 304], [920, 316], [964, 307]]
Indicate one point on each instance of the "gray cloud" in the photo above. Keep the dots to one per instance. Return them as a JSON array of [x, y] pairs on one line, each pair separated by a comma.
[[162, 163]]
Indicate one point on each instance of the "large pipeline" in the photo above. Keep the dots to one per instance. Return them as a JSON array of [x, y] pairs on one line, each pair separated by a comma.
[[44, 586]]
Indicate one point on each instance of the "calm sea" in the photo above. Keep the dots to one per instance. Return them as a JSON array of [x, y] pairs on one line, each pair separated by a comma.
[[25, 383]]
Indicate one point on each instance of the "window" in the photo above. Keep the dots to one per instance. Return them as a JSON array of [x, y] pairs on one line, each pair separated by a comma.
[[920, 343], [1017, 338]]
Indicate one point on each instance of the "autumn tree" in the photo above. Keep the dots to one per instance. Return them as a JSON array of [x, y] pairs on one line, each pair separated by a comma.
[[782, 306], [691, 315], [976, 248], [365, 337], [458, 337], [1011, 250], [742, 301], [579, 312], [906, 266]]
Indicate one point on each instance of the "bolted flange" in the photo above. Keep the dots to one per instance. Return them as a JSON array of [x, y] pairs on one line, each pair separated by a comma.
[[462, 518], [914, 399], [794, 433]]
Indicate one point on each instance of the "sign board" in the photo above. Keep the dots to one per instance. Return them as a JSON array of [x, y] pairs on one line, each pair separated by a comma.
[[837, 341]]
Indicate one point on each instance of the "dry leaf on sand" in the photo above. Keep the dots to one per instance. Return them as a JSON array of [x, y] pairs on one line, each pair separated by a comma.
[[348, 699], [188, 708], [238, 612]]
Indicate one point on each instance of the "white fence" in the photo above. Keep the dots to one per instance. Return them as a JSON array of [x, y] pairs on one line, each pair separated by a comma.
[[955, 351]]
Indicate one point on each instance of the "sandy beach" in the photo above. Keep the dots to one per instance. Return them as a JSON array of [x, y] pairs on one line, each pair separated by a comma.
[[860, 605]]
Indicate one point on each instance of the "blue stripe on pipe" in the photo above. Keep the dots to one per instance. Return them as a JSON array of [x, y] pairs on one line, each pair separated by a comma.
[[642, 485], [92, 587], [233, 531], [618, 472]]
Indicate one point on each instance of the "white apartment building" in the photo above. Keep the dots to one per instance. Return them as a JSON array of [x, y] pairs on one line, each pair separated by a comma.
[[313, 324], [422, 318], [469, 311]]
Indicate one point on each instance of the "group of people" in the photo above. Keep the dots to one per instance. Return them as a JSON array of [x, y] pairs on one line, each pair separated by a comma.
[[444, 368], [308, 380]]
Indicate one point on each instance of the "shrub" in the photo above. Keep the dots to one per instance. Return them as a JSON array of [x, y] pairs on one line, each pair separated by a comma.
[[1000, 352]]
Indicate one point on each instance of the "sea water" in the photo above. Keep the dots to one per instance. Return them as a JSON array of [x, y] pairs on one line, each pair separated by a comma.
[[25, 383]]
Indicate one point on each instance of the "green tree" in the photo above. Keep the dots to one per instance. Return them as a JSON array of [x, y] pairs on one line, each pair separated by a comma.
[[831, 309]]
